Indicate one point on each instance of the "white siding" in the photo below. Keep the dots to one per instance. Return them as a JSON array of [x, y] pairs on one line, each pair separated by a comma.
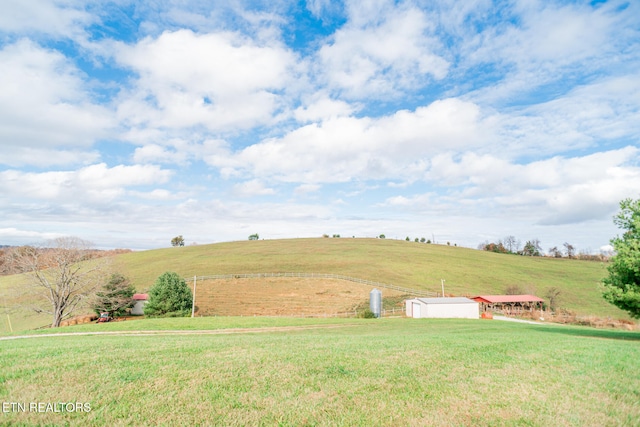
[[138, 308], [442, 308]]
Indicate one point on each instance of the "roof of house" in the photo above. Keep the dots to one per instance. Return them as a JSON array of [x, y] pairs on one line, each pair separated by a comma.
[[492, 299], [140, 297], [447, 300]]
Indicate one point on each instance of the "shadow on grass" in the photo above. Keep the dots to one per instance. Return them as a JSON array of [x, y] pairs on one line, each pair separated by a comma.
[[583, 331]]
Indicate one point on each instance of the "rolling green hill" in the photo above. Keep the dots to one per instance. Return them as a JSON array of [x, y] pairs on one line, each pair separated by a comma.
[[407, 264], [401, 263]]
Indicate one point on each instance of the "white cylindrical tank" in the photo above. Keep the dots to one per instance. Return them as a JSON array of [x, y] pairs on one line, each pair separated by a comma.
[[375, 302]]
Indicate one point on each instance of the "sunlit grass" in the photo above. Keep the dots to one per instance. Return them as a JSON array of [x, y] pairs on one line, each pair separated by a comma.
[[368, 372]]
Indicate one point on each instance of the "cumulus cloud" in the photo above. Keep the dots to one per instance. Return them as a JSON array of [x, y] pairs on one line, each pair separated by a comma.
[[56, 18], [222, 81], [544, 42], [342, 149], [322, 109], [558, 190], [305, 189], [46, 109], [382, 51], [95, 183], [252, 188]]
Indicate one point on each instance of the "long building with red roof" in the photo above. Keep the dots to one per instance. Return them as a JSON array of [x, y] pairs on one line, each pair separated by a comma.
[[510, 304]]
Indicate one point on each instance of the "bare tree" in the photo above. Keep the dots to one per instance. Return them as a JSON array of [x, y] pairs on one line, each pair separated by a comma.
[[570, 249], [510, 243], [61, 274], [555, 252]]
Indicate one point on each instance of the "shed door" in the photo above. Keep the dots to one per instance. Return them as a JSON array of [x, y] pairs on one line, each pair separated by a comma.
[[416, 310]]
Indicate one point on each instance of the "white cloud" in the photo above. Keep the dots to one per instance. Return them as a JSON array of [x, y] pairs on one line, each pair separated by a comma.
[[96, 183], [381, 51], [552, 191], [56, 18], [546, 43], [305, 189], [46, 109], [342, 149], [12, 233], [252, 188], [322, 109], [221, 81]]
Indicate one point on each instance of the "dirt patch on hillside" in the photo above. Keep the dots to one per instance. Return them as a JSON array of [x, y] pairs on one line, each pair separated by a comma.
[[281, 296]]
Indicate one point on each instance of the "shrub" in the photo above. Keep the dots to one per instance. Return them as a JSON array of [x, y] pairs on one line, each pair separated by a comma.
[[368, 314], [169, 297], [513, 290]]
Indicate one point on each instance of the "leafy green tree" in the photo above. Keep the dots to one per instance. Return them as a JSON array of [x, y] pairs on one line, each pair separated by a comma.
[[254, 236], [115, 297], [622, 287], [382, 236], [169, 297], [177, 241], [532, 248]]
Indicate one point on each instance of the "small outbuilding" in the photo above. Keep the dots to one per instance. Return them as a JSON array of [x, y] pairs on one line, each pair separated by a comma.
[[509, 304], [140, 301], [442, 308]]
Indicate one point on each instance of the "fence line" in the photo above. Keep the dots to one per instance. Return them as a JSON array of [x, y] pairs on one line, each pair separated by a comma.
[[346, 314], [318, 276]]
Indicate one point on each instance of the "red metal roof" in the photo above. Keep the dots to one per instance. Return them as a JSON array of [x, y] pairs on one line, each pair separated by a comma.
[[492, 299], [141, 297]]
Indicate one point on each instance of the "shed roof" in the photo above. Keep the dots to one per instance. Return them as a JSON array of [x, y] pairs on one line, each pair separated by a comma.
[[492, 299], [140, 297], [450, 300]]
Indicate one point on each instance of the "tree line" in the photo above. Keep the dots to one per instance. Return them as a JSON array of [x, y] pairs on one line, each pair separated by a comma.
[[533, 247]]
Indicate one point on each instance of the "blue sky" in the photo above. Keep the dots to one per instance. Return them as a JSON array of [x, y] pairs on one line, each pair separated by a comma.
[[127, 123]]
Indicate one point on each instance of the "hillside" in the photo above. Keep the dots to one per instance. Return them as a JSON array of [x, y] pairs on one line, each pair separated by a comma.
[[406, 264]]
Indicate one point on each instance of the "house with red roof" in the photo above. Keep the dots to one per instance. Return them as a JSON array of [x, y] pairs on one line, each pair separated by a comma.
[[140, 301]]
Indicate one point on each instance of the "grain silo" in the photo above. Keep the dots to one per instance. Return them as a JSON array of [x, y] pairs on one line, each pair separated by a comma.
[[375, 302]]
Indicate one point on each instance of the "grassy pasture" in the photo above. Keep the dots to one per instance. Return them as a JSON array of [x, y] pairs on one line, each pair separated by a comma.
[[384, 372], [406, 264]]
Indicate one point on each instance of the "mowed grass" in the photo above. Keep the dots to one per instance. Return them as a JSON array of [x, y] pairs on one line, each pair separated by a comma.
[[381, 372]]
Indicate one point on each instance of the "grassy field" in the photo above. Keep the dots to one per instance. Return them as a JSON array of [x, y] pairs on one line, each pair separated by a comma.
[[381, 372], [401, 263], [406, 264]]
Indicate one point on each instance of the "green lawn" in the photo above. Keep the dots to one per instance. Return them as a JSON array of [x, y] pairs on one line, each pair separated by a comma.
[[385, 372]]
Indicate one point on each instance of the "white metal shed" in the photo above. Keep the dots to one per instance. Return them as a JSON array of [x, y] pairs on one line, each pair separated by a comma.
[[442, 308]]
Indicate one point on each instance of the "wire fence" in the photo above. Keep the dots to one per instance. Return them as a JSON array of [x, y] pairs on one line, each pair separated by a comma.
[[409, 291], [393, 312]]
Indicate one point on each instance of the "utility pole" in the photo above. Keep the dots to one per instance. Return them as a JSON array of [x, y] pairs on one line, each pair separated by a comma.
[[442, 283], [193, 300]]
